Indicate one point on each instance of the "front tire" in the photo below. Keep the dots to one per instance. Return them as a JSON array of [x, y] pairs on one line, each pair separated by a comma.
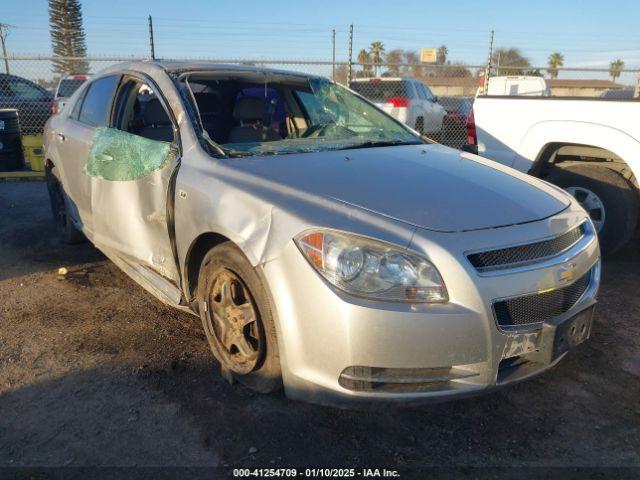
[[606, 195], [237, 318]]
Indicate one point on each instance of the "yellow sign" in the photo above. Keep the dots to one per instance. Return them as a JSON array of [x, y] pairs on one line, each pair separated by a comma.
[[428, 55]]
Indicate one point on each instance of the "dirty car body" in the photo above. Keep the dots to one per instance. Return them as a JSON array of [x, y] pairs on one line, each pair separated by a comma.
[[393, 269]]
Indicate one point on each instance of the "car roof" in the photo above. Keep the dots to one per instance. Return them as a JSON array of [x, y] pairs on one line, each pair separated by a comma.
[[384, 79], [173, 66], [16, 77]]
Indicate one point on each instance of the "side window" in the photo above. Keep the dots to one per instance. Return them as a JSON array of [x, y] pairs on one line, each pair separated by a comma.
[[428, 92], [139, 142], [75, 112], [96, 107], [140, 112], [409, 90], [22, 90]]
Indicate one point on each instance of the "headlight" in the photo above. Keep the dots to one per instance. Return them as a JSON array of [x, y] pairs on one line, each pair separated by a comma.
[[369, 268]]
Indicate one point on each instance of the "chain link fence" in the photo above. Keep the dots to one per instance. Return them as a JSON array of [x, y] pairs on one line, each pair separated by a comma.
[[433, 99]]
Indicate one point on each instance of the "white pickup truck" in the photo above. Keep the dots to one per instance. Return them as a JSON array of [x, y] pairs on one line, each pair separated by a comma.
[[588, 146]]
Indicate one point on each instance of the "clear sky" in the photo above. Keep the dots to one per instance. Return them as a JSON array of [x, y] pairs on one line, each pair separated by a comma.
[[588, 33]]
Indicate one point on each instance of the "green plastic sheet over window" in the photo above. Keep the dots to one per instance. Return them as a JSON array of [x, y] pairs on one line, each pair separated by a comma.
[[120, 156]]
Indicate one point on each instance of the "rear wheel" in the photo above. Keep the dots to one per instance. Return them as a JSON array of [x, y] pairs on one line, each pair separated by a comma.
[[237, 319], [60, 210], [609, 199]]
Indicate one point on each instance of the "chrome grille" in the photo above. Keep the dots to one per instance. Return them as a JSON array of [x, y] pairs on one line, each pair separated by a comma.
[[540, 307], [511, 257]]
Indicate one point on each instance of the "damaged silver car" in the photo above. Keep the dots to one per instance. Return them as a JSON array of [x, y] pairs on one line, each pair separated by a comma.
[[326, 247]]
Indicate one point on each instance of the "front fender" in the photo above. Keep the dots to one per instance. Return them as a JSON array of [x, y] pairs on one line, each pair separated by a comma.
[[582, 133]]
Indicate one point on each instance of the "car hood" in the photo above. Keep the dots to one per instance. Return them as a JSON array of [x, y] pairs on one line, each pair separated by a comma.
[[428, 186]]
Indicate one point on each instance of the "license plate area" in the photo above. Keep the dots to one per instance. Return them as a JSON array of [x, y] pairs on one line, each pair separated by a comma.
[[572, 332], [558, 338]]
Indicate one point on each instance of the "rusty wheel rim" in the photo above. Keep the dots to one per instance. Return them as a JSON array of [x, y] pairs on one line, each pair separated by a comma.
[[234, 324]]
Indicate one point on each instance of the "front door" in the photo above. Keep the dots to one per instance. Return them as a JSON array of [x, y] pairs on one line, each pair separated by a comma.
[[131, 164]]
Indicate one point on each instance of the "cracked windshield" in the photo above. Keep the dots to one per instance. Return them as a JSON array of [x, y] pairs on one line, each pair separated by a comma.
[[245, 117]]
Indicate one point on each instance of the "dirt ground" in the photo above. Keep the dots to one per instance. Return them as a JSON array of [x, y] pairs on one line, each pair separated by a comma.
[[95, 371]]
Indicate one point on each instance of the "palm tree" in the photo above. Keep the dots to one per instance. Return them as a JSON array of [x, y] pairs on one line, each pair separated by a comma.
[[376, 50], [364, 59], [441, 54], [615, 69], [556, 59]]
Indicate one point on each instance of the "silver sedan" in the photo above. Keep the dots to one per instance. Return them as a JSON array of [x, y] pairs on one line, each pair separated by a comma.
[[326, 247]]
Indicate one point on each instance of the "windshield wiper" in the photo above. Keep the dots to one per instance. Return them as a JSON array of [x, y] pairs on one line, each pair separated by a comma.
[[381, 143]]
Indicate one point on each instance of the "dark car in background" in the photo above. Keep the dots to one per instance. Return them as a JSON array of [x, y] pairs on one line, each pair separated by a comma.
[[31, 100], [454, 124]]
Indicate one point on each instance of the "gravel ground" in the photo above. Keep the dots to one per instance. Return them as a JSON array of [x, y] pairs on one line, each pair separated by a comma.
[[95, 371]]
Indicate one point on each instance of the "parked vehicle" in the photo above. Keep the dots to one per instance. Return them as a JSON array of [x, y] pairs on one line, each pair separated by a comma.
[[589, 147], [31, 100], [324, 245], [520, 85], [405, 99], [66, 87], [455, 121], [619, 93]]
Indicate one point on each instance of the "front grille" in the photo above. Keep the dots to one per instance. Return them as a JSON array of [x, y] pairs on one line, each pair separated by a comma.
[[540, 307], [524, 254]]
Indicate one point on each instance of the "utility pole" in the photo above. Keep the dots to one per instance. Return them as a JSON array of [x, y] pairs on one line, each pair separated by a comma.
[[333, 64], [487, 71], [153, 52], [3, 33], [350, 53]]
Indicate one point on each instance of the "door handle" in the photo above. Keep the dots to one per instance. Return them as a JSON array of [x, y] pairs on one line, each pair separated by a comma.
[[61, 137], [103, 157]]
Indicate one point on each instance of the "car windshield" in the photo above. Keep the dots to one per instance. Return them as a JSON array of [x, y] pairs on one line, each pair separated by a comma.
[[278, 117]]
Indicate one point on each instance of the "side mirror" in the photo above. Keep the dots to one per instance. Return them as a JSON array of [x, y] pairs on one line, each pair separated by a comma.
[[435, 99]]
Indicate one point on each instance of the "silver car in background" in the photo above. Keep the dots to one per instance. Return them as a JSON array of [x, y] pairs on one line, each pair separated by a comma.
[[66, 86], [324, 245]]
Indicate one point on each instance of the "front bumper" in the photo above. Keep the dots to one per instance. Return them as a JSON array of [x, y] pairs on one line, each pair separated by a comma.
[[339, 350]]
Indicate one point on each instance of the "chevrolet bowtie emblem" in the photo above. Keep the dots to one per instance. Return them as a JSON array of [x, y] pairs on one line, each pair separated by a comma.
[[566, 272]]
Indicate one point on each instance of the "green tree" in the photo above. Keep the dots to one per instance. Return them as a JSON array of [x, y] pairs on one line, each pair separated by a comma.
[[455, 69], [615, 69], [364, 59], [376, 51], [510, 61], [341, 74], [413, 68], [441, 55], [556, 59], [393, 58], [67, 36]]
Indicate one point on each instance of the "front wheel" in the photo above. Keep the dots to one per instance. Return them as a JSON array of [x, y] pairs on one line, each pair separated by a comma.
[[608, 198], [238, 319]]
